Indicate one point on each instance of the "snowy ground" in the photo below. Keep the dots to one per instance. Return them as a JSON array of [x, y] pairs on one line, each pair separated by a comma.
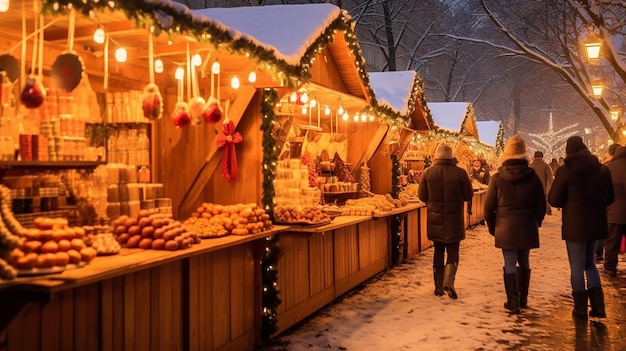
[[398, 310]]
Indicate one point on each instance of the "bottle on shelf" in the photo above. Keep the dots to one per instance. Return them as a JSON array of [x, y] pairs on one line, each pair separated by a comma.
[[108, 112], [143, 146]]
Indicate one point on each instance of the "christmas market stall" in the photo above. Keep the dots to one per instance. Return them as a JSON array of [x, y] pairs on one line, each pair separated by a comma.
[[456, 126], [397, 163]]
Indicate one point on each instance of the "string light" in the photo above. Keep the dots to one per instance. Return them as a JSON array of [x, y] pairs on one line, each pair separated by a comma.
[[372, 118], [252, 77], [180, 73], [215, 67], [363, 118], [327, 110], [345, 116], [98, 36], [340, 109], [293, 97], [552, 141], [121, 55], [196, 60], [356, 117], [234, 82], [304, 97], [4, 5], [158, 65], [304, 110]]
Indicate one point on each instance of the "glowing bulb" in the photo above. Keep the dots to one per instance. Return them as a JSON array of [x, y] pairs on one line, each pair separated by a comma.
[[345, 117], [371, 118], [98, 35], [215, 67], [341, 110], [252, 77], [196, 60], [363, 118], [304, 110], [293, 97], [313, 103], [234, 82], [327, 110], [356, 117], [180, 73], [4, 5], [304, 97], [121, 55], [158, 66]]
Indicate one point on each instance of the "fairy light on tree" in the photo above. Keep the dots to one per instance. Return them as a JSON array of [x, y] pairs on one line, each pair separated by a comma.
[[551, 142]]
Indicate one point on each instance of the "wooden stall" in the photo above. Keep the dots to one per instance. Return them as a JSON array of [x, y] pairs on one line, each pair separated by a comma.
[[490, 141]]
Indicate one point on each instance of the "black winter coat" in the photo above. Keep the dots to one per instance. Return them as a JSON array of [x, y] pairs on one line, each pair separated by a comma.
[[444, 188], [515, 205], [617, 210], [583, 188]]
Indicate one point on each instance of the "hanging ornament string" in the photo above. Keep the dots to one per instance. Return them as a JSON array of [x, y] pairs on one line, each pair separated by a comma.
[[151, 54], [41, 40], [106, 62], [188, 71], [70, 29], [151, 101], [33, 58]]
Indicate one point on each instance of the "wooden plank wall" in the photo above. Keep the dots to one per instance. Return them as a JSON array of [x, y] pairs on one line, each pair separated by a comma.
[[412, 231], [424, 243]]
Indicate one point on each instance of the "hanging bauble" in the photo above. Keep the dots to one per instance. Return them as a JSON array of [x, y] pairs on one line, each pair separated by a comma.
[[213, 112], [197, 106], [33, 93], [11, 66], [151, 102], [180, 115], [67, 71]]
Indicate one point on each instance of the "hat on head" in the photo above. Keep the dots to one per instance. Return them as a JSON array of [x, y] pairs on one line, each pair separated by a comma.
[[538, 154], [574, 144], [613, 147], [443, 152], [515, 148]]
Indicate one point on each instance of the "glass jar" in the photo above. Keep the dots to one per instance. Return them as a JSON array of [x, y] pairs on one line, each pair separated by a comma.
[[143, 175]]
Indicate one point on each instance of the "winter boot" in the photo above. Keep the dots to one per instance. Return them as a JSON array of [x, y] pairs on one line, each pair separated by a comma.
[[596, 299], [438, 275], [523, 280], [512, 293], [449, 273], [580, 304]]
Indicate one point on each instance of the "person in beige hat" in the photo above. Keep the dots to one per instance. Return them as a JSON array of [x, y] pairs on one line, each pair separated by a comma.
[[515, 205], [444, 188]]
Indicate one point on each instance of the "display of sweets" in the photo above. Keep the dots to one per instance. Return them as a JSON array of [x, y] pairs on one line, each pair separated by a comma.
[[292, 185]]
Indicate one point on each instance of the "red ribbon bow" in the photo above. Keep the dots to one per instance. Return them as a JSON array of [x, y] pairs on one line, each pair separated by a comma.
[[227, 140]]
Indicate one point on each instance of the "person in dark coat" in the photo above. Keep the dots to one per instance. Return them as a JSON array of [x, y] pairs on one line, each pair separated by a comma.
[[600, 246], [583, 189], [616, 212], [544, 171], [444, 188], [515, 206], [479, 172]]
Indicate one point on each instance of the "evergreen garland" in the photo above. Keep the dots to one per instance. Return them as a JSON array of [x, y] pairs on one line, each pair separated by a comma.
[[269, 261], [396, 236], [395, 175]]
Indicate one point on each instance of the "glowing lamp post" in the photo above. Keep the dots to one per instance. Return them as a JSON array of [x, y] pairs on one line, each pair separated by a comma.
[[616, 112], [592, 44], [597, 87]]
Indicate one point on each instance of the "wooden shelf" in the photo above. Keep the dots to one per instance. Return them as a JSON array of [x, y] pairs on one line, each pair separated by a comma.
[[49, 165]]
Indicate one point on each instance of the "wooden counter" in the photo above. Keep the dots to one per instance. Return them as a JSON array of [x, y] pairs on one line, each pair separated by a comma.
[[478, 209]]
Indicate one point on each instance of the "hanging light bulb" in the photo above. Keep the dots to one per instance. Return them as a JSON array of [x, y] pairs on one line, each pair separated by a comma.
[[196, 60], [4, 5], [252, 77], [158, 65], [313, 103], [234, 82], [304, 110], [327, 110], [371, 118], [304, 97], [345, 116], [180, 73], [293, 97], [98, 36], [215, 67], [363, 117], [340, 110], [121, 55], [356, 117]]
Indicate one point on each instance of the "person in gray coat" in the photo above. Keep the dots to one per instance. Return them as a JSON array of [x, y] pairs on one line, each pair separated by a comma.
[[515, 206], [616, 212], [583, 188], [444, 188]]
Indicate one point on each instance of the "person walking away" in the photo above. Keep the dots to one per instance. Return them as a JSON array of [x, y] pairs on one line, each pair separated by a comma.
[[616, 211], [600, 251], [444, 188], [544, 171], [479, 173], [515, 206], [554, 165], [583, 188]]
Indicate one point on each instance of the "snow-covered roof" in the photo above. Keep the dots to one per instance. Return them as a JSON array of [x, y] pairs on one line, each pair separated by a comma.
[[449, 115], [488, 132], [393, 89], [289, 30]]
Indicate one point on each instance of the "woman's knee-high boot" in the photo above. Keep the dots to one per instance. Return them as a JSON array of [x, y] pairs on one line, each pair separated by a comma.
[[438, 276], [449, 273], [523, 281], [596, 298], [512, 292], [580, 304]]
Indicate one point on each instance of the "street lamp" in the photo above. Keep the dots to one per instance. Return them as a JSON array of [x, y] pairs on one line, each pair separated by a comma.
[[596, 87], [592, 44], [616, 112]]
